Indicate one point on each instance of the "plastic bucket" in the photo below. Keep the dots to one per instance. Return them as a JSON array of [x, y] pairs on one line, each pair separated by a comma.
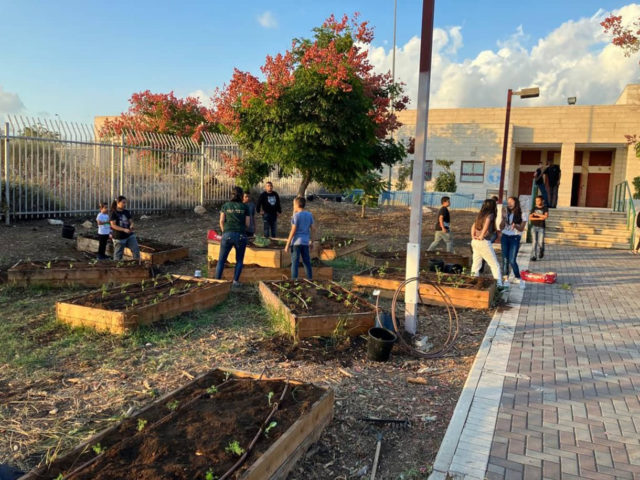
[[379, 344], [384, 320], [67, 231], [436, 264]]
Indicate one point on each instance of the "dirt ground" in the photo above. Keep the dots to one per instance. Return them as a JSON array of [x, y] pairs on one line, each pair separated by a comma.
[[59, 386]]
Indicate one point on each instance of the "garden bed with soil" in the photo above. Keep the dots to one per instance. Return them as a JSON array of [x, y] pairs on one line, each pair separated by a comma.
[[399, 258], [256, 273], [464, 291], [123, 308], [152, 251], [335, 247], [65, 273], [314, 308], [271, 255], [202, 431]]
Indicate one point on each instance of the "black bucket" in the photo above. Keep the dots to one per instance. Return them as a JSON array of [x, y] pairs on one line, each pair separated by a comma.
[[68, 231], [453, 268], [436, 264], [379, 344]]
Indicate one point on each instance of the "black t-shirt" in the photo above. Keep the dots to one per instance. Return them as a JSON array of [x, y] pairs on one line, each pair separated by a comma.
[[539, 211], [539, 178], [444, 211], [123, 220], [269, 203], [553, 174]]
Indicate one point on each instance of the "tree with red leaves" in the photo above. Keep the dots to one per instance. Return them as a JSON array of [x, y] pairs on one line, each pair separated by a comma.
[[321, 110], [164, 113]]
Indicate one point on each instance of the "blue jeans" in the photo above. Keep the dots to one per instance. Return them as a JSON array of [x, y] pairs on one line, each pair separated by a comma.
[[270, 223], [231, 240], [296, 252], [542, 191], [510, 246], [119, 244], [538, 240]]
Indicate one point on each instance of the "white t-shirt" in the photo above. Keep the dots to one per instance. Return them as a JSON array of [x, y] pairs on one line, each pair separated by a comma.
[[106, 228], [509, 228]]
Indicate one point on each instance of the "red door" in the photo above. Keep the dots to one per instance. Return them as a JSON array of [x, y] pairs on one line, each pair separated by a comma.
[[598, 182], [525, 179]]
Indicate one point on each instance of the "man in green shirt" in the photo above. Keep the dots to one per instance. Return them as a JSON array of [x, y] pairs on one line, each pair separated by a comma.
[[234, 220]]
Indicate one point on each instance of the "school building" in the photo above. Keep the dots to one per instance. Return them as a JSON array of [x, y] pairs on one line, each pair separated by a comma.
[[587, 141]]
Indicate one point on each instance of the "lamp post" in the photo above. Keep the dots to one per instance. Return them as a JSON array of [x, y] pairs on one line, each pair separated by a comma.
[[524, 93]]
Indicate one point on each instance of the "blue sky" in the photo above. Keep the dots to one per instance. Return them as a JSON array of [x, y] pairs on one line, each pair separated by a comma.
[[81, 59]]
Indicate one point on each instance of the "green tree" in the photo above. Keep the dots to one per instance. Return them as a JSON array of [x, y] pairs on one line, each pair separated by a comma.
[[372, 185], [446, 179]]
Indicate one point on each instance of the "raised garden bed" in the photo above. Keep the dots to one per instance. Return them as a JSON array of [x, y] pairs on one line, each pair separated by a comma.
[[121, 309], [151, 251], [256, 273], [317, 308], [64, 273], [272, 255], [335, 247], [399, 258], [463, 290], [192, 433]]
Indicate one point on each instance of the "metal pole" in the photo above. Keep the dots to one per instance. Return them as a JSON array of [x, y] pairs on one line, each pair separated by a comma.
[[6, 174], [393, 74], [417, 194], [504, 147], [112, 192], [202, 174], [122, 165]]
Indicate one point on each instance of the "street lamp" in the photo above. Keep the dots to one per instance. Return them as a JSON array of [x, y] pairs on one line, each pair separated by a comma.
[[572, 100], [524, 93]]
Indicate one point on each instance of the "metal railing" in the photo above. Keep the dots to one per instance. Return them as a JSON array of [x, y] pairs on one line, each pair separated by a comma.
[[56, 168], [623, 203], [431, 199]]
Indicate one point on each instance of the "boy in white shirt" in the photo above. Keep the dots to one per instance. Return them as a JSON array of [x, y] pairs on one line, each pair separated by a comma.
[[104, 230]]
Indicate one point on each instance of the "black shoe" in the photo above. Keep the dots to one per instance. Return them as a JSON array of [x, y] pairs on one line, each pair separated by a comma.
[[533, 259], [541, 253]]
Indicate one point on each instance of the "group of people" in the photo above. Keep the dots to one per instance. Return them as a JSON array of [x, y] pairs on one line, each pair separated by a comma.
[[547, 179], [116, 222], [485, 231]]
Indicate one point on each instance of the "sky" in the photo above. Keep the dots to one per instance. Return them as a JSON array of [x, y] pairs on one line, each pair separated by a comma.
[[74, 59]]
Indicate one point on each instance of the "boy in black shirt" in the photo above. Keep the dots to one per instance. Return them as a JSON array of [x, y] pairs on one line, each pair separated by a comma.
[[122, 230], [539, 214], [269, 204], [553, 178], [443, 227]]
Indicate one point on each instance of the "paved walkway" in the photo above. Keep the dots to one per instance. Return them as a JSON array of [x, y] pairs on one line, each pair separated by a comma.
[[555, 390]]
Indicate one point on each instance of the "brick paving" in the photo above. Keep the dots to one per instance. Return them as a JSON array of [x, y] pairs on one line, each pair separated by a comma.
[[570, 403]]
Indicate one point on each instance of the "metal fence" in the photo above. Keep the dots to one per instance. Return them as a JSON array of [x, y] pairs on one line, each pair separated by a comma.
[[431, 199], [55, 168]]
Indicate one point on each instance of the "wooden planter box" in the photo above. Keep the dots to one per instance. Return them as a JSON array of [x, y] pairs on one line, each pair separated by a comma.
[[476, 296], [353, 324], [58, 273], [151, 251], [335, 251], [274, 464], [399, 258], [272, 257], [254, 273], [87, 310]]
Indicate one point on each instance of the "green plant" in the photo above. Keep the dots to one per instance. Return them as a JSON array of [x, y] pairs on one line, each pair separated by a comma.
[[97, 448], [446, 179], [104, 289], [142, 285], [212, 389], [123, 287], [234, 448], [60, 477], [269, 397], [48, 265], [270, 427], [565, 286], [70, 265], [209, 475], [439, 275], [141, 424], [173, 405], [636, 187], [173, 291], [227, 375], [404, 172]]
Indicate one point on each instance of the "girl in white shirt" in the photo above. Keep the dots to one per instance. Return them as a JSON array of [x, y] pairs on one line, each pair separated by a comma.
[[512, 226], [104, 230]]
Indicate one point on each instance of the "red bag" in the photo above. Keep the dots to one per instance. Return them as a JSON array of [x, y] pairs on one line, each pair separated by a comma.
[[549, 277], [213, 235]]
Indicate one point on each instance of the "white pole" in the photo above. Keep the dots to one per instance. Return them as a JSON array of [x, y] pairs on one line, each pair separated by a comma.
[[417, 194]]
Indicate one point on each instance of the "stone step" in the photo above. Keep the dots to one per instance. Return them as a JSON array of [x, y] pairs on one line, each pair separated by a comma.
[[587, 237], [588, 230], [588, 243]]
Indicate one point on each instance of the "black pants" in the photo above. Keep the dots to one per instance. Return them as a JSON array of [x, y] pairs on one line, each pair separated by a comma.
[[102, 246], [270, 223]]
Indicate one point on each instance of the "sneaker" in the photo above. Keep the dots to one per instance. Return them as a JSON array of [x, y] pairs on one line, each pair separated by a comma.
[[236, 284], [533, 259], [541, 253], [515, 281], [505, 278]]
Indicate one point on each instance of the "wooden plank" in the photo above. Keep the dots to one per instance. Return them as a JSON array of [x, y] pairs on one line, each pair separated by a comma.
[[90, 276], [369, 259], [87, 244], [336, 252], [264, 274]]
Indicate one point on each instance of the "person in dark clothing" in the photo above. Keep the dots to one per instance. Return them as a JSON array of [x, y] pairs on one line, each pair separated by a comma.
[[538, 217], [553, 179], [539, 177], [122, 230], [234, 221], [269, 205], [443, 227], [637, 249]]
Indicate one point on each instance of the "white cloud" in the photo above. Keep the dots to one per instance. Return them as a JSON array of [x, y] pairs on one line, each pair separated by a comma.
[[576, 59], [10, 103], [267, 20], [203, 96]]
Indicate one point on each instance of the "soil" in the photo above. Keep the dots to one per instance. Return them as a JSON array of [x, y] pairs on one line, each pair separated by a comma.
[[333, 243], [72, 264], [446, 279], [146, 245], [304, 298], [315, 262]]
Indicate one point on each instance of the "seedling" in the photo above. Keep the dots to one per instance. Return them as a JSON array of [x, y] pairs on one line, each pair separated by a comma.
[[142, 285], [48, 265], [439, 275], [123, 289], [93, 262], [269, 397], [70, 265], [173, 291], [173, 405], [212, 389], [60, 477], [169, 277], [104, 289], [97, 448], [226, 376], [234, 448], [270, 427], [209, 475], [141, 424]]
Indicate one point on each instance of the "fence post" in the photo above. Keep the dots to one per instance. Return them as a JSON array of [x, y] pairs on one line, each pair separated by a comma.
[[122, 165], [6, 174], [202, 150], [112, 170]]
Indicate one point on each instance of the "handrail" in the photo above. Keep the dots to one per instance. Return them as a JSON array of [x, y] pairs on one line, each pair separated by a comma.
[[623, 203]]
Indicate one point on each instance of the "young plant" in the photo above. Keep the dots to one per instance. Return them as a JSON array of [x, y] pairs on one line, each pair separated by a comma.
[[226, 376], [209, 475], [173, 405], [104, 289], [173, 291], [269, 397], [60, 477], [439, 275], [70, 265], [48, 265], [141, 424], [270, 427], [212, 389], [97, 448], [234, 448], [142, 285], [123, 288]]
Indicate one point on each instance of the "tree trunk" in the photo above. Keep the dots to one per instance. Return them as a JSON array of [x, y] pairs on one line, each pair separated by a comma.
[[306, 180], [364, 204]]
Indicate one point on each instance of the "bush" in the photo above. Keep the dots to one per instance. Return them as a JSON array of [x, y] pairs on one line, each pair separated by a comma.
[[636, 187], [446, 179]]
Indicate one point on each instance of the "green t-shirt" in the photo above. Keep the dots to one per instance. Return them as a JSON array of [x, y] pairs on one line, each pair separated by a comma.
[[234, 216]]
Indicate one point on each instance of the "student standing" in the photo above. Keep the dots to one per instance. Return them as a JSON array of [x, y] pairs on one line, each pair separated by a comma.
[[481, 232], [122, 230], [104, 230], [553, 173], [251, 229], [538, 215], [234, 221], [540, 177], [443, 227], [269, 205], [512, 226], [300, 238]]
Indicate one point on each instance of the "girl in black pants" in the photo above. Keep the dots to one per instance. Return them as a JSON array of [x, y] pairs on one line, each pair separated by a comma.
[[104, 230]]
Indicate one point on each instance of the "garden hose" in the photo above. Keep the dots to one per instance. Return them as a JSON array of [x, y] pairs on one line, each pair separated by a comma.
[[452, 335]]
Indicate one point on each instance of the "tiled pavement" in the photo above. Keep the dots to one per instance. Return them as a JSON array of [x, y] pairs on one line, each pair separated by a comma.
[[569, 406]]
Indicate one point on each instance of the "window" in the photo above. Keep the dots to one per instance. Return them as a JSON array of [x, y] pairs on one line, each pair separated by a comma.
[[472, 172], [428, 170]]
